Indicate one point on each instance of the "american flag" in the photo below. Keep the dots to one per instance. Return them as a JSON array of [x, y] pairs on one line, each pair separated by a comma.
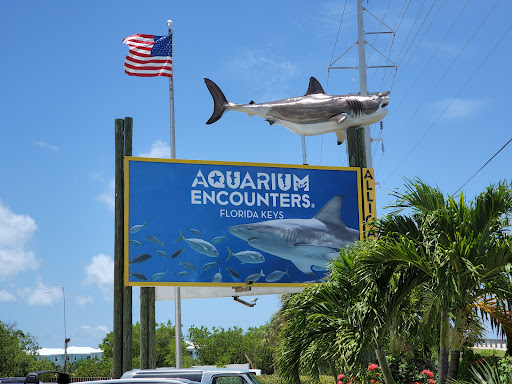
[[149, 55]]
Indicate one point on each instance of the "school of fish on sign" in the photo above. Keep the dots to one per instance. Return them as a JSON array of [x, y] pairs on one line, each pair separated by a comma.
[[201, 246]]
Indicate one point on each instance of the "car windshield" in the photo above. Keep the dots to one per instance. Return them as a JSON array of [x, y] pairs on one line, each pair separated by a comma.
[[253, 379]]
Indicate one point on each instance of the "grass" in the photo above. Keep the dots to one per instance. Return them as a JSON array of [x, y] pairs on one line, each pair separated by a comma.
[[274, 379], [490, 352]]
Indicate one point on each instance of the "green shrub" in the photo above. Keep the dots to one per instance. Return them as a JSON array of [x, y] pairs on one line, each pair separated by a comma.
[[505, 368]]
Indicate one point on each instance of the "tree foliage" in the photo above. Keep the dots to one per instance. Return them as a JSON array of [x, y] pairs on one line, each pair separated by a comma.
[[17, 351], [437, 264], [164, 341], [90, 368], [219, 346]]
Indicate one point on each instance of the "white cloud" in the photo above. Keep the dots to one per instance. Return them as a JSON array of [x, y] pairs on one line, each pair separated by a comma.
[[330, 14], [101, 328], [43, 295], [266, 72], [460, 108], [108, 196], [15, 233], [91, 333], [160, 149], [6, 296], [100, 272], [45, 145], [83, 301]]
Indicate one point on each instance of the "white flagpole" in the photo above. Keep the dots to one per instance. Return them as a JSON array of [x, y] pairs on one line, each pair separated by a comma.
[[177, 290], [171, 98]]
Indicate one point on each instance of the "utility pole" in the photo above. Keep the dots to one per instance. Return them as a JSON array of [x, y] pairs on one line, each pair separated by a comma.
[[363, 85], [358, 138]]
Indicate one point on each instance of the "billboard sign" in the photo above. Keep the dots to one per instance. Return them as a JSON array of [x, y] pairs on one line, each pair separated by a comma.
[[199, 223]]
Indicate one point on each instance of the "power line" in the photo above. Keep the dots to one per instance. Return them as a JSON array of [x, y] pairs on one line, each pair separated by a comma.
[[395, 30], [410, 31], [421, 40], [449, 67], [432, 56], [380, 27], [453, 99], [336, 42], [483, 166]]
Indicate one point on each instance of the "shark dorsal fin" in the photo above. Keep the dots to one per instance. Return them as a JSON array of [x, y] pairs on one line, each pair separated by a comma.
[[330, 212], [314, 87]]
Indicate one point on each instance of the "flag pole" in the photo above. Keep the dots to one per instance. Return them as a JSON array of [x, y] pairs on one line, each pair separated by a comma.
[[177, 290], [171, 98], [304, 150]]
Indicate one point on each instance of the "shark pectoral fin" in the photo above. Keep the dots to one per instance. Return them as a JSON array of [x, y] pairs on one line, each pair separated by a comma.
[[331, 255], [304, 267], [340, 135], [271, 122], [340, 118]]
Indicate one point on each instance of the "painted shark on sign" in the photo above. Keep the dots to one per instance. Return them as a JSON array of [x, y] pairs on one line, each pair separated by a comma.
[[308, 243], [315, 113]]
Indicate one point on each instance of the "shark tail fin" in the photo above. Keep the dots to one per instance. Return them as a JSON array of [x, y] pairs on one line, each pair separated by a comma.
[[219, 101]]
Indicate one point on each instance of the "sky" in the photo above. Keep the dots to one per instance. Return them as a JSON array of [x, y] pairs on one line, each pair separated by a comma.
[[63, 85]]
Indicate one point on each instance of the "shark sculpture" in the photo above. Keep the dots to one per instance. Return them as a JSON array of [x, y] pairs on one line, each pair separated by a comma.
[[315, 113], [308, 243]]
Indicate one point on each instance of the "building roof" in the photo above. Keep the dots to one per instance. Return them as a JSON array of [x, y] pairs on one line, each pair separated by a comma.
[[71, 351]]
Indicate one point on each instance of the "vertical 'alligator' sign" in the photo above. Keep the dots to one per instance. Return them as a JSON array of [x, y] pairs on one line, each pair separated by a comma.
[[198, 223]]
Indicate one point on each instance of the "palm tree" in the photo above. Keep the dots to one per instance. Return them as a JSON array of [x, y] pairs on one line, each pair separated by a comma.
[[458, 251], [310, 334], [344, 320]]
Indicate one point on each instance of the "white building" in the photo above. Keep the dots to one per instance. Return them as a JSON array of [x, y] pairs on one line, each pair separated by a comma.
[[56, 355]]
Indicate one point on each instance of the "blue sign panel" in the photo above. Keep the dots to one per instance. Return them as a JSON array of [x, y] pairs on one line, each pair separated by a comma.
[[192, 223]]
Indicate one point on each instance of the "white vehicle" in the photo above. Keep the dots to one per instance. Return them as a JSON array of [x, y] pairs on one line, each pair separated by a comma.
[[64, 378], [202, 375]]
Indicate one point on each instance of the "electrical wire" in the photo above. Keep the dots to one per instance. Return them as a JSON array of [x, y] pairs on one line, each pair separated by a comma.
[[421, 40], [483, 166], [330, 63], [453, 99], [398, 23], [380, 27], [447, 70], [417, 33], [432, 56], [336, 42], [412, 42], [410, 31], [339, 30]]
